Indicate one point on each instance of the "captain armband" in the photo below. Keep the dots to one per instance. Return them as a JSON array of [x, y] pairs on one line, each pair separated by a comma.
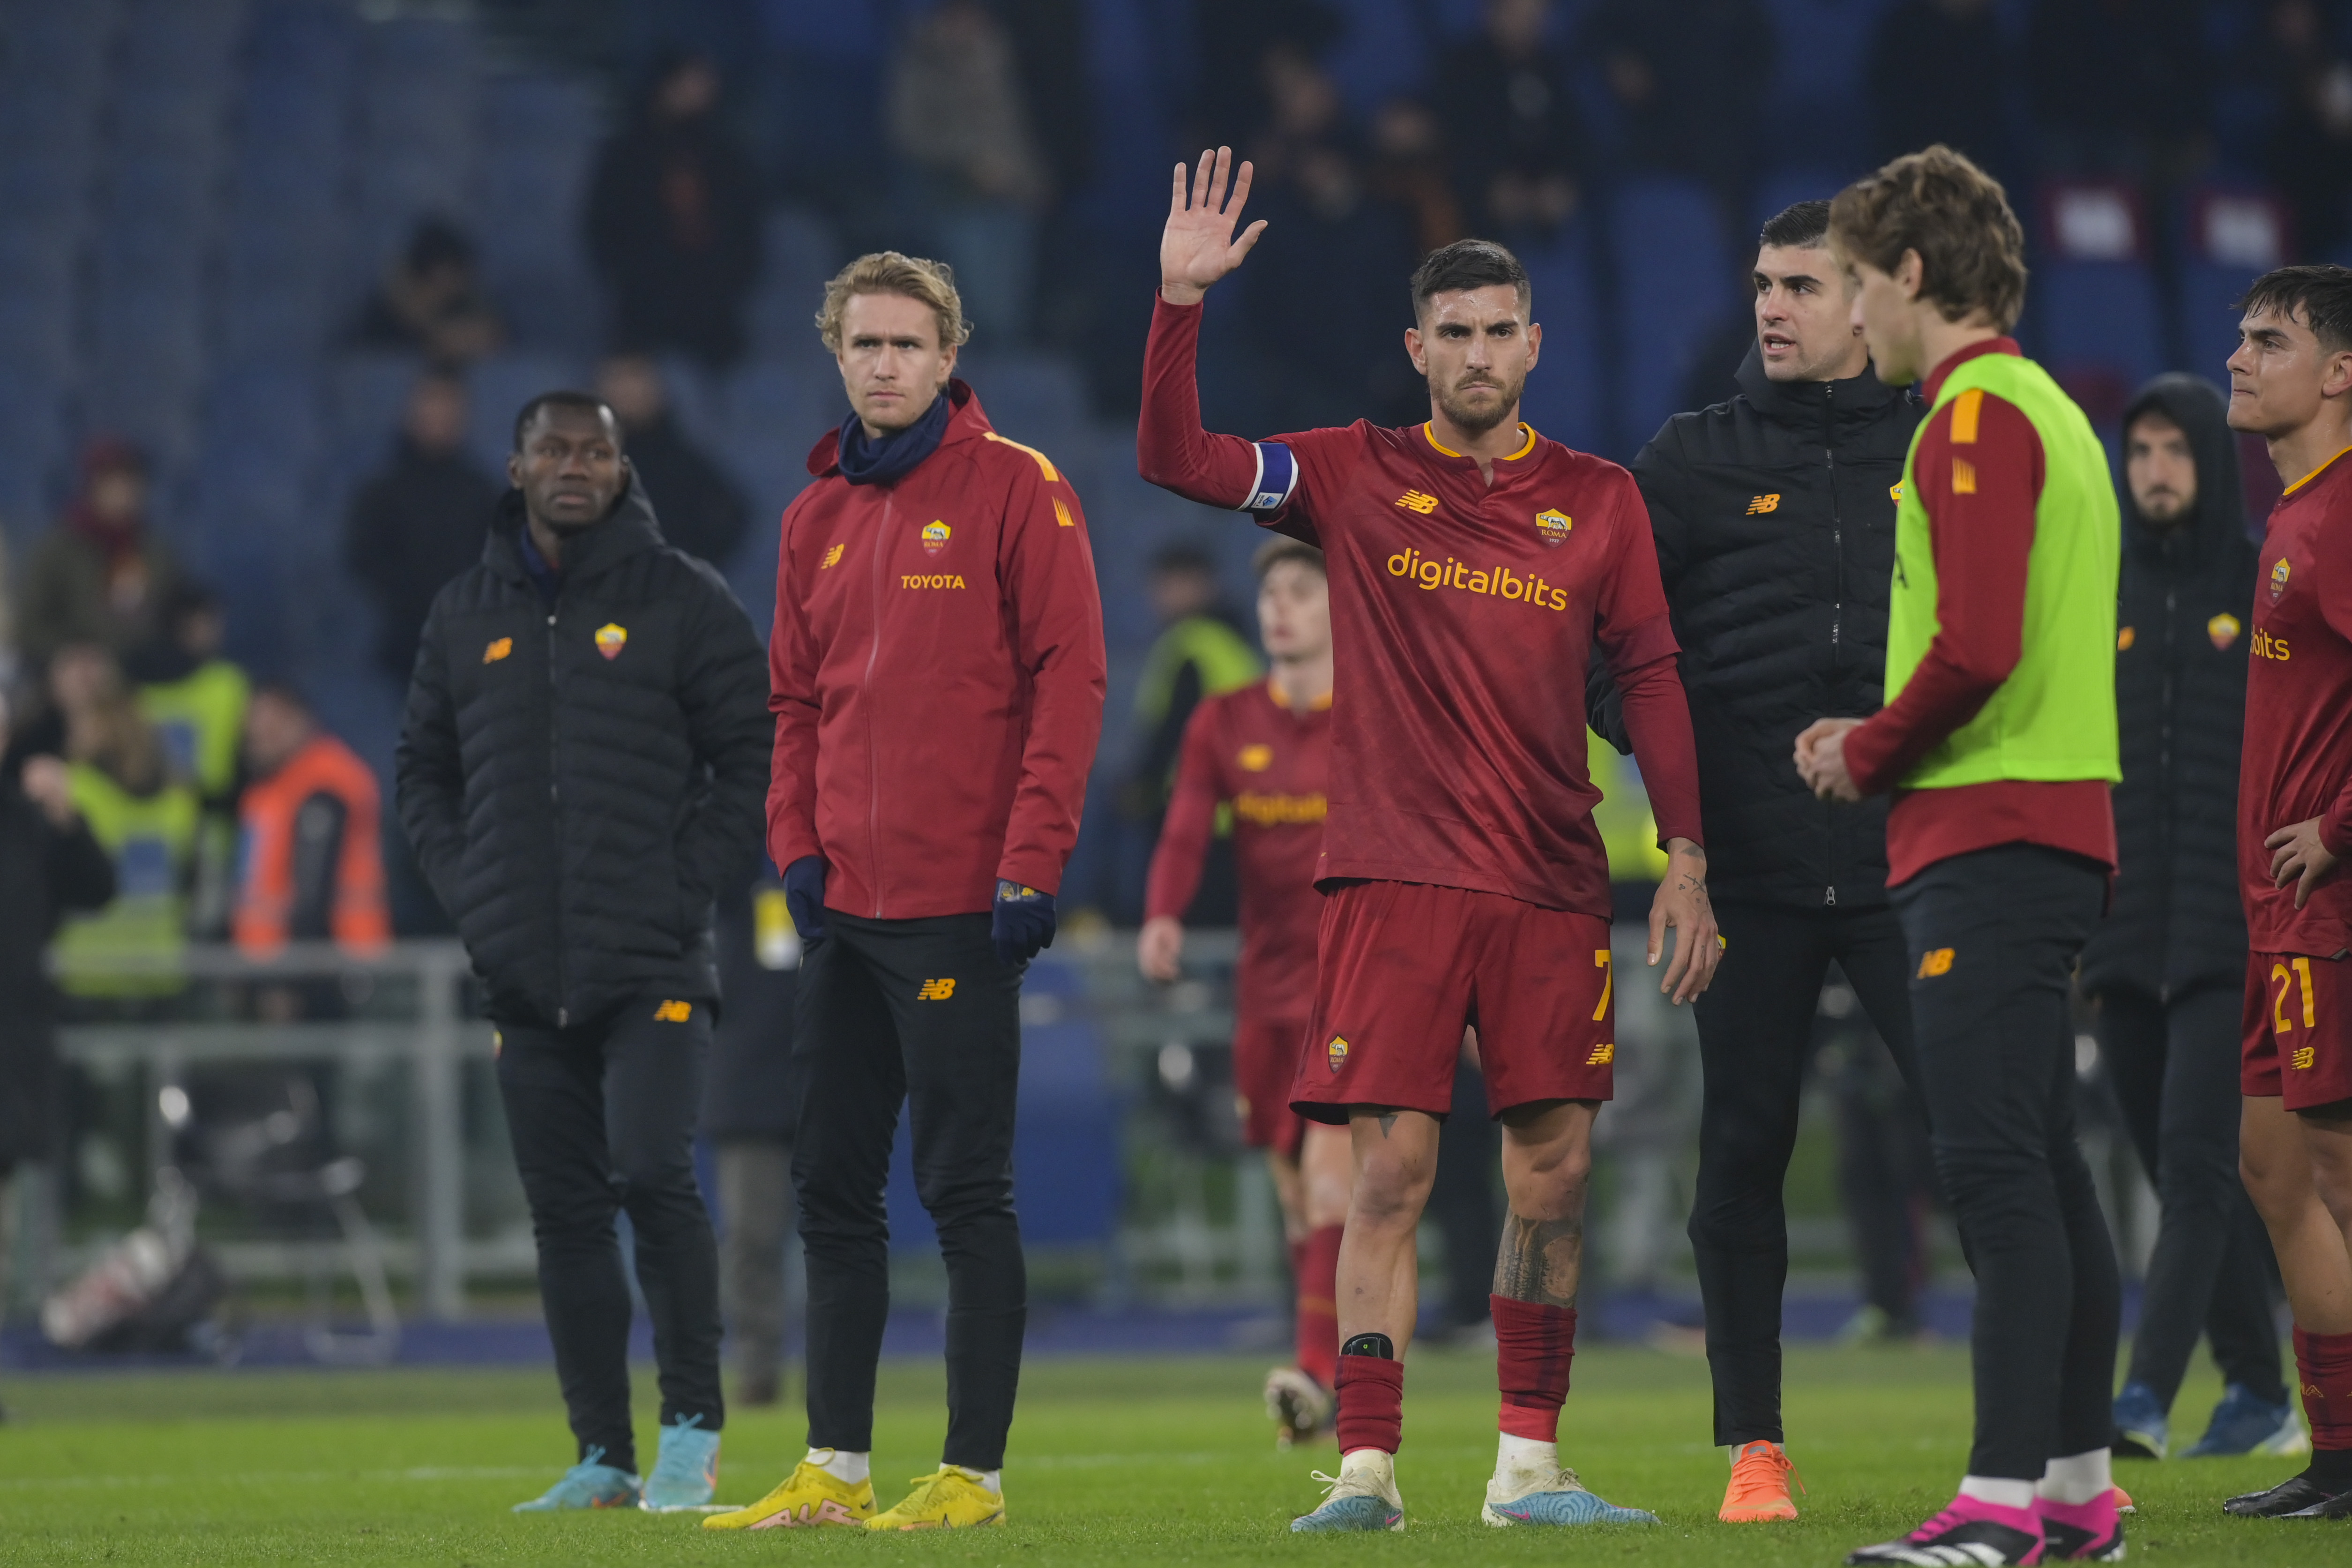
[[1277, 477]]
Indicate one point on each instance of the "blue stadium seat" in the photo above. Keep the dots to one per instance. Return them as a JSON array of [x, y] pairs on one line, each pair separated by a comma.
[[2227, 238], [1675, 280], [1564, 397], [33, 435], [1033, 398], [1382, 53], [366, 395], [2097, 328], [800, 253], [1779, 189], [502, 384], [1817, 76]]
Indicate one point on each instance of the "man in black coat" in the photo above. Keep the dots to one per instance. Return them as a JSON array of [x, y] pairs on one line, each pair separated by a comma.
[[1774, 517], [703, 510], [2168, 966], [582, 772]]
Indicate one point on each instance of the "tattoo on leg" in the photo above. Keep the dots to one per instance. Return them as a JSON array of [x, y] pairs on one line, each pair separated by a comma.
[[1388, 1122], [1539, 1260]]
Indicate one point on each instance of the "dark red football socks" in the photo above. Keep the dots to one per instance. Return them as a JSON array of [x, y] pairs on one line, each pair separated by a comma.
[[1533, 1345], [2324, 1364], [1372, 1403], [1315, 1270]]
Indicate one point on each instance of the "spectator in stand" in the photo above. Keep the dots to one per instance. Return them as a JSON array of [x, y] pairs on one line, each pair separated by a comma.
[[958, 118], [420, 520], [1936, 69], [2120, 89], [2167, 963], [1231, 105], [1409, 173], [120, 778], [674, 220], [748, 1114], [101, 575], [431, 301], [702, 512], [311, 869], [50, 865], [1518, 141], [196, 699], [2310, 153], [1686, 80]]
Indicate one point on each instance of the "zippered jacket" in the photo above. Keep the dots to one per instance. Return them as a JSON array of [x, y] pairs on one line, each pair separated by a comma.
[[580, 778], [937, 673], [1774, 517]]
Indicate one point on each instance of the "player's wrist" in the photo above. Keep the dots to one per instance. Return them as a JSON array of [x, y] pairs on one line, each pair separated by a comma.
[[1177, 292]]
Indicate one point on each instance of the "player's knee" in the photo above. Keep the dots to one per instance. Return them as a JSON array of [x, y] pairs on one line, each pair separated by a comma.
[[1390, 1189]]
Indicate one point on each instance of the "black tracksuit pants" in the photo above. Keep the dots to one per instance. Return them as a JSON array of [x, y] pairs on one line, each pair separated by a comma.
[[1994, 936], [919, 1012], [2175, 1069], [601, 1117], [1755, 1032]]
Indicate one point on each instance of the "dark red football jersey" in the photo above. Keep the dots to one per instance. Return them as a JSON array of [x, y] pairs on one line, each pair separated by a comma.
[[1249, 751], [2297, 760], [1463, 617]]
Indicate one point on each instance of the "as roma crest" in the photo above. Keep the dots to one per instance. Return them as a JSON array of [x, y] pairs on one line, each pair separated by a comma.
[[1552, 527], [1255, 757], [2279, 574], [935, 536], [611, 638], [1337, 1052], [2223, 629]]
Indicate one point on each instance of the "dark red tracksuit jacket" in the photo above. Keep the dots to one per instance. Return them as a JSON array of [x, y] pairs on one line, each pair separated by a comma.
[[937, 676]]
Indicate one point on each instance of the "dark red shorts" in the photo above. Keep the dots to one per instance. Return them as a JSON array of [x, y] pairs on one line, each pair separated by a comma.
[[1266, 1058], [1403, 966], [2298, 1030]]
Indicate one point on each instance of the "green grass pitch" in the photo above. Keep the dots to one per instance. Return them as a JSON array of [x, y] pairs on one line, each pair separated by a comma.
[[1165, 1461]]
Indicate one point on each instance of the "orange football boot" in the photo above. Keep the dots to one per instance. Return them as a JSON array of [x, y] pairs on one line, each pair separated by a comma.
[[1759, 1485]]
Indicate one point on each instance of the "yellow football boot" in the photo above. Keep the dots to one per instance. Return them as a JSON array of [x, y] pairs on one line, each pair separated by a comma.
[[809, 1497], [950, 1498]]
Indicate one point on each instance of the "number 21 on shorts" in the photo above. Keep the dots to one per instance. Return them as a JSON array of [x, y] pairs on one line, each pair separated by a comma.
[[2285, 973]]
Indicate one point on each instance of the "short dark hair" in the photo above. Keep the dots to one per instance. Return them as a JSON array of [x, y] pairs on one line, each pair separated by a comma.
[[585, 402], [1282, 548], [1184, 556], [1468, 264], [1957, 216], [1805, 224], [285, 691], [2320, 296]]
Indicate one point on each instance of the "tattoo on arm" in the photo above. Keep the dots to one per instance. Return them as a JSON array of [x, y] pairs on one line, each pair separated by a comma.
[[1540, 1260]]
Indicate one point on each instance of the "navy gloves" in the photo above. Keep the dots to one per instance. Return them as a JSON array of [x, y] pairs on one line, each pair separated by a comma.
[[1022, 922], [805, 897]]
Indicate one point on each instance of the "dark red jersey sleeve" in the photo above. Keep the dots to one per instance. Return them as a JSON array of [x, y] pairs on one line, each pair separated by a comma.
[[1172, 449], [1632, 626], [793, 698], [1979, 471], [1191, 822], [1047, 568]]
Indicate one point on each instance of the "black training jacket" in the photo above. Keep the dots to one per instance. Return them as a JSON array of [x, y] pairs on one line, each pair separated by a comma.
[[1774, 517], [581, 779], [2184, 618]]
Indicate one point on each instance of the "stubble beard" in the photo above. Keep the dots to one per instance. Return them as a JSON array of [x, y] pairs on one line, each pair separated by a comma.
[[1475, 420]]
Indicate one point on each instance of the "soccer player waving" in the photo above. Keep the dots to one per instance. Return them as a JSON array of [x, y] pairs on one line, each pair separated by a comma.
[[1473, 564], [1998, 741], [2291, 382]]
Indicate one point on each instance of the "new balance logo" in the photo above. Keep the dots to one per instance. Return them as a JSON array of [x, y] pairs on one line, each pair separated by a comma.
[[497, 650], [1415, 500], [1763, 504], [1936, 962], [833, 556], [1602, 1055], [674, 1013], [2304, 1056], [935, 991]]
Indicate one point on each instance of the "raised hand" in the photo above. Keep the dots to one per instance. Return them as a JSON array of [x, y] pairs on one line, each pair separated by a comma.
[[1198, 246]]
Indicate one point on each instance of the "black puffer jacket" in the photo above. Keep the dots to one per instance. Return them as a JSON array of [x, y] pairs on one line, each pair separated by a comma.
[[581, 780], [2184, 612], [1774, 516]]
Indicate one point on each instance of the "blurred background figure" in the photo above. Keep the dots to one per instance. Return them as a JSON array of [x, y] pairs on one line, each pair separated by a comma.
[[146, 819], [419, 521], [310, 868], [1930, 64], [1684, 82], [2166, 966], [959, 121], [431, 301], [51, 866], [703, 510], [1505, 104], [195, 697], [2310, 154], [674, 219], [747, 1114], [101, 575]]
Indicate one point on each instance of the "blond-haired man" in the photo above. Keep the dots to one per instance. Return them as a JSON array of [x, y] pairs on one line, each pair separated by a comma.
[[937, 676]]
